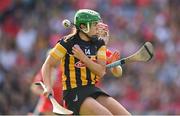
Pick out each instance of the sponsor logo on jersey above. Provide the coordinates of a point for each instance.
(80, 64)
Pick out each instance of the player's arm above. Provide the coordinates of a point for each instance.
(47, 69)
(51, 63)
(96, 67)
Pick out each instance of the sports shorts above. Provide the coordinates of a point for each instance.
(74, 98)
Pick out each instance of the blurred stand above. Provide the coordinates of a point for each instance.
(28, 28)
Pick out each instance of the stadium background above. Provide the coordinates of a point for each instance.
(28, 28)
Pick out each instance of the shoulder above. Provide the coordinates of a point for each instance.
(100, 43)
(66, 42)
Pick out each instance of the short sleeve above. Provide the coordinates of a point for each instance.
(59, 50)
(101, 54)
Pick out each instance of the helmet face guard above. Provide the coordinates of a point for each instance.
(86, 17)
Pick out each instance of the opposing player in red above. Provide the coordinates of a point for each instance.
(103, 32)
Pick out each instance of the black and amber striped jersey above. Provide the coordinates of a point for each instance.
(75, 73)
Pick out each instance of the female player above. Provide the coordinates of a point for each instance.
(44, 105)
(83, 58)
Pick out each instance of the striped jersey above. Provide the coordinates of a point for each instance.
(75, 73)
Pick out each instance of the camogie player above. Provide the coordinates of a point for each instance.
(44, 105)
(83, 59)
(103, 33)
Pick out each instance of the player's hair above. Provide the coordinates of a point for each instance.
(72, 33)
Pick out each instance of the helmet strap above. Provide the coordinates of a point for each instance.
(86, 30)
(85, 34)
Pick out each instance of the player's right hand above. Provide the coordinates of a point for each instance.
(48, 91)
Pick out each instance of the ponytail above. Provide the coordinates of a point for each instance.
(73, 32)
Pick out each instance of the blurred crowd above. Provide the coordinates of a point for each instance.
(28, 28)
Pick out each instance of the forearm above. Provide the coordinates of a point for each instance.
(46, 74)
(96, 68)
(47, 70)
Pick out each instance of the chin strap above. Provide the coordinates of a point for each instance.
(93, 39)
(88, 28)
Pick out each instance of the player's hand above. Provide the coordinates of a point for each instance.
(117, 71)
(114, 57)
(78, 53)
(48, 91)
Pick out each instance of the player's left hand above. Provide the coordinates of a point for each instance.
(114, 57)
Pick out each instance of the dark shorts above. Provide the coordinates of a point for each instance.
(75, 97)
